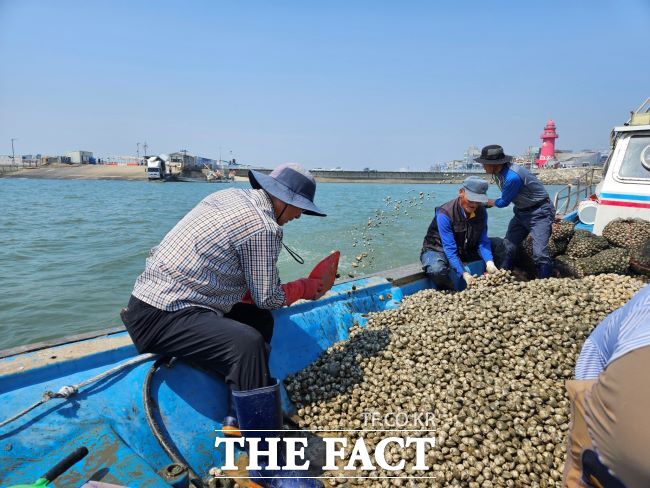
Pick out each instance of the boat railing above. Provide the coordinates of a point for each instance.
(641, 116)
(568, 198)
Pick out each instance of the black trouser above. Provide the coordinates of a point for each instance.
(235, 346)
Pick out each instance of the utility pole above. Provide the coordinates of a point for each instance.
(145, 148)
(138, 144)
(13, 155)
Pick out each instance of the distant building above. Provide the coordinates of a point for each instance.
(183, 160)
(578, 159)
(212, 164)
(81, 157)
(190, 162)
(471, 153)
(56, 159)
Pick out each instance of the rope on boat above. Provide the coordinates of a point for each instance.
(151, 409)
(71, 390)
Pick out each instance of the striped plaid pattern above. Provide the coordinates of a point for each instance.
(622, 331)
(227, 244)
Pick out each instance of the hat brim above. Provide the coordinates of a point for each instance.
(273, 187)
(504, 160)
(475, 197)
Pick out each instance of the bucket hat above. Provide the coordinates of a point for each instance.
(290, 183)
(475, 189)
(493, 154)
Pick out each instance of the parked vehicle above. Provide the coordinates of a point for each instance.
(156, 168)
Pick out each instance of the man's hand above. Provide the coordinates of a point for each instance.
(313, 288)
(468, 278)
(304, 288)
(490, 267)
(490, 203)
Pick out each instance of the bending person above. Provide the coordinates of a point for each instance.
(533, 211)
(187, 302)
(457, 233)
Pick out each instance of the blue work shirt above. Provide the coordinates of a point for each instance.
(449, 243)
(622, 331)
(512, 185)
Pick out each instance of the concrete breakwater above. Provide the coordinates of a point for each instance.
(555, 176)
(344, 176)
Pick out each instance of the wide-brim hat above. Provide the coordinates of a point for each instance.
(493, 154)
(290, 183)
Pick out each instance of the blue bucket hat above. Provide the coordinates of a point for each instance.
(290, 183)
(475, 189)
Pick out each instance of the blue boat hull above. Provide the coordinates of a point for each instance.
(108, 416)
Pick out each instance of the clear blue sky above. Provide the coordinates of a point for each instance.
(349, 83)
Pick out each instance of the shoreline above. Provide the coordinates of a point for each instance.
(559, 176)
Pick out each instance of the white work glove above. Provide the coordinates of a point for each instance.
(468, 278)
(490, 267)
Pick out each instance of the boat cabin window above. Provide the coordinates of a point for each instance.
(636, 162)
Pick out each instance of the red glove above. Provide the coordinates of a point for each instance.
(247, 298)
(326, 270)
(307, 288)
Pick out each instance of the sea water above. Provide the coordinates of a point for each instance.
(70, 250)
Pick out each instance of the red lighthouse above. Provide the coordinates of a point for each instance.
(547, 151)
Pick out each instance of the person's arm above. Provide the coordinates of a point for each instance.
(449, 243)
(484, 246)
(599, 346)
(259, 256)
(591, 361)
(511, 187)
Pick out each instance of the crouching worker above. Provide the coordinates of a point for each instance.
(187, 302)
(609, 433)
(457, 233)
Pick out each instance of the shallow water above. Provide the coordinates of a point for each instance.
(70, 250)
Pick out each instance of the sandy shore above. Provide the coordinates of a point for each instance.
(81, 172)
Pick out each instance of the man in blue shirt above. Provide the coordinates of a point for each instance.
(458, 233)
(534, 212)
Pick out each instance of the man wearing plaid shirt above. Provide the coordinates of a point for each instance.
(188, 301)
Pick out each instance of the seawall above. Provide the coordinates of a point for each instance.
(378, 176)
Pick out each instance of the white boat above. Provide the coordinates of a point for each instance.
(624, 191)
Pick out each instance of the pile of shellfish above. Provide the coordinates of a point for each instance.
(623, 249)
(489, 363)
